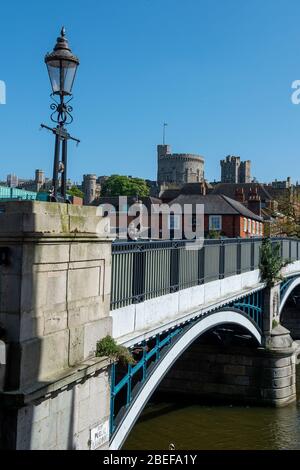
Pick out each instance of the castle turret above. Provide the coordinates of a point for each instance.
(89, 187)
(39, 179)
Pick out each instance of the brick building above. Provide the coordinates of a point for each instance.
(226, 216)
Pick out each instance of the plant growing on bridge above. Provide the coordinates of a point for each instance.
(109, 348)
(271, 263)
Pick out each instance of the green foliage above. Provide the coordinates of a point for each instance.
(109, 348)
(117, 185)
(214, 234)
(271, 263)
(74, 191)
(289, 222)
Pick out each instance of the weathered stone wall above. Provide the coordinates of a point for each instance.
(233, 375)
(65, 420)
(61, 419)
(54, 307)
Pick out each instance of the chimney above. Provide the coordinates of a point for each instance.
(239, 195)
(254, 202)
(203, 188)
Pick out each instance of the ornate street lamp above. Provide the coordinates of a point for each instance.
(62, 66)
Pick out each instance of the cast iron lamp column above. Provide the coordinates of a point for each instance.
(62, 66)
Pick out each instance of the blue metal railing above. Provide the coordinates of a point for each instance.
(285, 285)
(251, 306)
(145, 365)
(7, 193)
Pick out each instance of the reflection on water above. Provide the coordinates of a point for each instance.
(218, 427)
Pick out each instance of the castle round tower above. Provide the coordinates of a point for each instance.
(89, 188)
(179, 168)
(39, 179)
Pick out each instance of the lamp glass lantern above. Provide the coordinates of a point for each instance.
(62, 66)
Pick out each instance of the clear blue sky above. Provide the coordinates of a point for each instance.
(219, 72)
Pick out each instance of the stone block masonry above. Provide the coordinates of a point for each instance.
(233, 375)
(54, 307)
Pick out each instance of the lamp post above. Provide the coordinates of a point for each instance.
(62, 66)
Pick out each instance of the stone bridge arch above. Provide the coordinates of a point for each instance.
(222, 317)
(289, 312)
(287, 288)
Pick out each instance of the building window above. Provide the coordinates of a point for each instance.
(249, 226)
(253, 227)
(245, 224)
(257, 228)
(174, 222)
(215, 222)
(261, 229)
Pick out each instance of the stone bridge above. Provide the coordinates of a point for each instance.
(196, 321)
(175, 295)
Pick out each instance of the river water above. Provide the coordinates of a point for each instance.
(197, 427)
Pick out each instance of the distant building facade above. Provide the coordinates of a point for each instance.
(223, 215)
(226, 216)
(285, 184)
(233, 170)
(39, 183)
(178, 168)
(12, 181)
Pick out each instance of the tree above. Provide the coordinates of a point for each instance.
(117, 185)
(74, 191)
(288, 223)
(271, 263)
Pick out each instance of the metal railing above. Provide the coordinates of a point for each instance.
(7, 193)
(147, 269)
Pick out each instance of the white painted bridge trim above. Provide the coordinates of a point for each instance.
(185, 318)
(137, 322)
(211, 321)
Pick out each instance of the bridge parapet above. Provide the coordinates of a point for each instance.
(54, 307)
(144, 270)
(155, 284)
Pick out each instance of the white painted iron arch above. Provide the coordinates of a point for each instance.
(292, 286)
(207, 323)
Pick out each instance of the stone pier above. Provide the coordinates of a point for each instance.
(55, 269)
